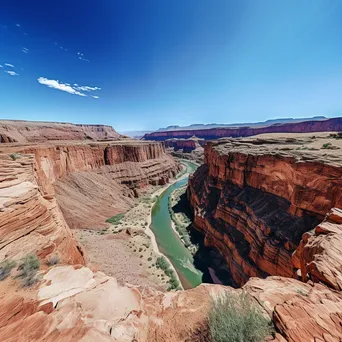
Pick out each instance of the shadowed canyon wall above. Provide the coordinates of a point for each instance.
(254, 201)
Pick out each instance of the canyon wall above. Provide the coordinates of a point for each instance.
(185, 145)
(254, 199)
(31, 222)
(33, 131)
(329, 125)
(94, 181)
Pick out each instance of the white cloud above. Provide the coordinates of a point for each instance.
(74, 89)
(9, 65)
(12, 73)
(1, 66)
(86, 88)
(25, 50)
(18, 25)
(59, 86)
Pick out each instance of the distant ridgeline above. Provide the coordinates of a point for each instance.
(316, 124)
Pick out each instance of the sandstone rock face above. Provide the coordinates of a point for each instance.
(184, 145)
(94, 181)
(318, 255)
(254, 199)
(328, 125)
(76, 304)
(30, 222)
(33, 131)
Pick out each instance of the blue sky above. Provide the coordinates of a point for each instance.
(147, 64)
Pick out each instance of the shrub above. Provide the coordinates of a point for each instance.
(329, 146)
(115, 219)
(233, 318)
(149, 259)
(162, 263)
(15, 156)
(28, 268)
(6, 267)
(52, 260)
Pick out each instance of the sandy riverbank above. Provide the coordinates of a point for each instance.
(128, 250)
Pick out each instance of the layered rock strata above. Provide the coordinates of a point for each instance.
(29, 221)
(34, 131)
(253, 199)
(94, 181)
(328, 125)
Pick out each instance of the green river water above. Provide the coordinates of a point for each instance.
(168, 241)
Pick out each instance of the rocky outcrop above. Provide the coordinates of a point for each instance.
(328, 125)
(253, 200)
(34, 131)
(74, 304)
(318, 256)
(31, 222)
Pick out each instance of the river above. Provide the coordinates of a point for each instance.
(168, 241)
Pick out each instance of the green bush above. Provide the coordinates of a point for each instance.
(6, 267)
(115, 219)
(28, 268)
(15, 156)
(234, 318)
(162, 263)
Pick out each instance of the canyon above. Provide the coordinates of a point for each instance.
(320, 125)
(254, 199)
(268, 204)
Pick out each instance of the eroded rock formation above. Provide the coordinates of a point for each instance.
(253, 199)
(328, 125)
(34, 131)
(31, 222)
(94, 181)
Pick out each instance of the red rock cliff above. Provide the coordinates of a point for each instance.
(216, 133)
(94, 181)
(254, 201)
(29, 221)
(34, 131)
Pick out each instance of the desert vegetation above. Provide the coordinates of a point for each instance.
(6, 267)
(116, 219)
(234, 318)
(28, 269)
(163, 264)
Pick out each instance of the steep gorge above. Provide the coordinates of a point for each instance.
(94, 181)
(258, 193)
(253, 199)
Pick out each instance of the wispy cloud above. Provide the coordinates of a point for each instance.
(59, 86)
(1, 66)
(18, 25)
(25, 50)
(74, 89)
(81, 57)
(86, 88)
(9, 65)
(12, 73)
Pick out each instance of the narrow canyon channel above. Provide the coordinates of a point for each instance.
(168, 241)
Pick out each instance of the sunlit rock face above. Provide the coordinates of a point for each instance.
(328, 125)
(33, 131)
(253, 199)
